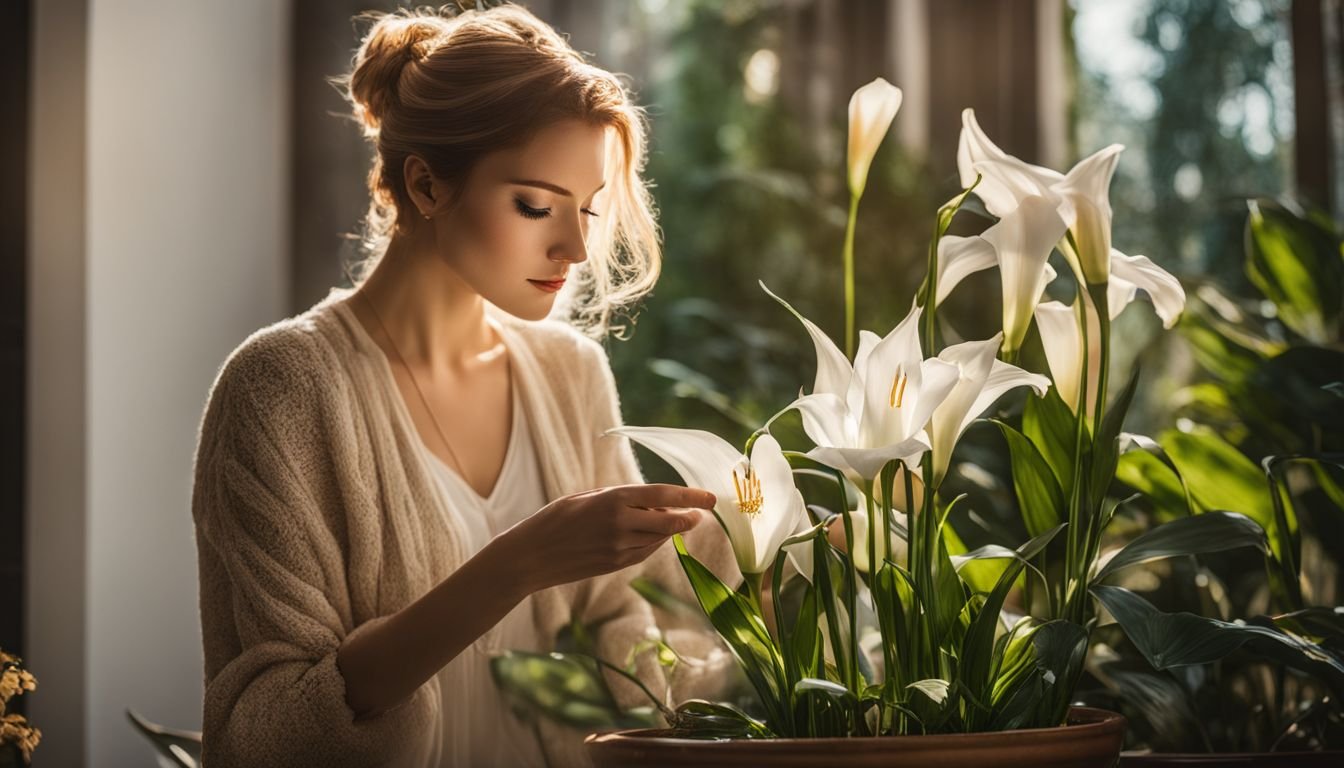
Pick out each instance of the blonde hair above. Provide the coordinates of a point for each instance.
(451, 86)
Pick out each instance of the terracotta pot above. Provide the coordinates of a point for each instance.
(1241, 759)
(1091, 740)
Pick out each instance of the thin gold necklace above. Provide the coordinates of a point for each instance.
(457, 464)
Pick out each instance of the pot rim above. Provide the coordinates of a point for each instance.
(1092, 723)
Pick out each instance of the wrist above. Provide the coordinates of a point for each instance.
(515, 565)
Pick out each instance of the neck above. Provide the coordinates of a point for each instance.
(435, 319)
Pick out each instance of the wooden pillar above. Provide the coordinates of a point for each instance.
(983, 55)
(15, 37)
(1316, 154)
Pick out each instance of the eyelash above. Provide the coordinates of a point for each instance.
(540, 213)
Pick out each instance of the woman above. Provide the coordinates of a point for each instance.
(410, 475)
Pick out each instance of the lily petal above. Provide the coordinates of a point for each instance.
(1058, 326)
(1129, 273)
(871, 110)
(1086, 208)
(974, 146)
(826, 419)
(861, 465)
(959, 257)
(1023, 240)
(785, 504)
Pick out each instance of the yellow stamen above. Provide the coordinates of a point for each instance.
(749, 497)
(898, 395)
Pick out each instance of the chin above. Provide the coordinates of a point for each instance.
(530, 311)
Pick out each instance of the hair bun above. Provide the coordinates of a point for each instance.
(395, 40)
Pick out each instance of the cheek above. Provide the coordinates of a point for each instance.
(500, 239)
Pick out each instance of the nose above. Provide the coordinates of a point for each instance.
(572, 246)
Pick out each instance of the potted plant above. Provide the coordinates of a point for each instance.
(18, 738)
(954, 676)
(1271, 365)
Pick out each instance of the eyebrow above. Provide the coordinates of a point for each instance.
(559, 190)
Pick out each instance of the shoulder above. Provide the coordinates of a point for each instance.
(284, 365)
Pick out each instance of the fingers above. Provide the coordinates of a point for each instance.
(665, 495)
(663, 522)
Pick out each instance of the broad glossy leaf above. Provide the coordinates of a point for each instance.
(742, 629)
(1295, 264)
(977, 647)
(1036, 679)
(1145, 466)
(1220, 477)
(711, 720)
(1176, 639)
(568, 688)
(1039, 498)
(1209, 532)
(979, 574)
(1049, 424)
(1163, 703)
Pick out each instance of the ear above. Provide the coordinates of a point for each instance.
(426, 192)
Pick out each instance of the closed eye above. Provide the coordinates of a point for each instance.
(541, 213)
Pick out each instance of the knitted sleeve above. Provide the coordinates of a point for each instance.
(623, 616)
(275, 605)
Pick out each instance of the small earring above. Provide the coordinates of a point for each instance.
(428, 217)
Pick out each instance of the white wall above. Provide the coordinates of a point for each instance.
(185, 253)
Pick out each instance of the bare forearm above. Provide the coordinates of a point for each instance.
(386, 665)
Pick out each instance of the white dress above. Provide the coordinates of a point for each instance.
(479, 727)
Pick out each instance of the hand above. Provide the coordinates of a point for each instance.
(603, 530)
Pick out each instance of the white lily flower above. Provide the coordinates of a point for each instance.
(983, 379)
(864, 415)
(1129, 274)
(871, 110)
(1083, 194)
(1058, 326)
(1058, 323)
(999, 196)
(1085, 204)
(1022, 241)
(757, 503)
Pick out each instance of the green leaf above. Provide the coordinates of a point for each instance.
(933, 688)
(1220, 477)
(1035, 681)
(1209, 532)
(1038, 493)
(710, 720)
(1107, 447)
(831, 689)
(1164, 703)
(1220, 347)
(1169, 640)
(1049, 424)
(1296, 265)
(806, 637)
(979, 573)
(743, 630)
(568, 688)
(977, 657)
(1145, 467)
(1318, 624)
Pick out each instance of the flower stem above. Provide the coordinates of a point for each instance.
(849, 274)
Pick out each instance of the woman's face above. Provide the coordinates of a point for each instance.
(522, 220)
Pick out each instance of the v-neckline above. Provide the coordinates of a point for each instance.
(509, 451)
(342, 306)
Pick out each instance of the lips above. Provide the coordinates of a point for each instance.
(548, 285)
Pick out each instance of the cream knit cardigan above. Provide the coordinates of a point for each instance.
(317, 517)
